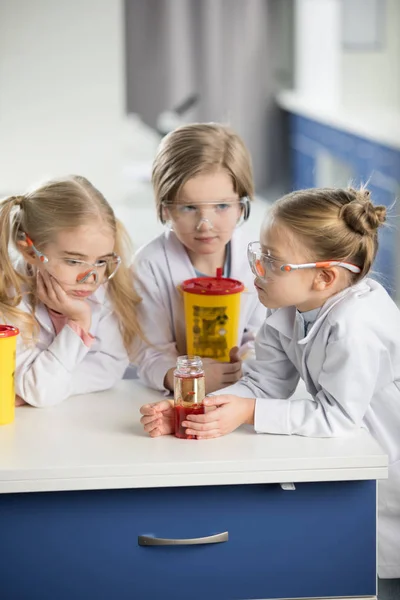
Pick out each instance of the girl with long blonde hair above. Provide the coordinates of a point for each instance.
(65, 283)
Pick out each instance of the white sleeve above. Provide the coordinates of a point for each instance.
(271, 374)
(347, 381)
(46, 376)
(257, 318)
(156, 357)
(105, 364)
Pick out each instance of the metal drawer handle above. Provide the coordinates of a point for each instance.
(219, 538)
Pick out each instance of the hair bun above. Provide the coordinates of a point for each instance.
(360, 215)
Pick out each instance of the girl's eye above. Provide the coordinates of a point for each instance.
(222, 206)
(101, 264)
(269, 263)
(71, 262)
(185, 208)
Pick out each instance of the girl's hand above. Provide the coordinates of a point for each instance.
(52, 295)
(221, 374)
(229, 414)
(158, 418)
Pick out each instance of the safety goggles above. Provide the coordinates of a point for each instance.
(221, 216)
(262, 263)
(71, 270)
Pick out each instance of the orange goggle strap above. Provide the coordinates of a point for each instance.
(260, 269)
(39, 254)
(322, 265)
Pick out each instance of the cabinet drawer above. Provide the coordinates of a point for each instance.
(318, 540)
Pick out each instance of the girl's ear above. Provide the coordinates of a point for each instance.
(27, 252)
(164, 214)
(325, 279)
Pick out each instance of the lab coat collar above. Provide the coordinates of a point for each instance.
(180, 266)
(182, 269)
(284, 319)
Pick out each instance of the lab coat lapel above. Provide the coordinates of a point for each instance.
(178, 260)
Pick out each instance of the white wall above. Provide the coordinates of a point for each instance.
(372, 78)
(330, 74)
(61, 91)
(317, 50)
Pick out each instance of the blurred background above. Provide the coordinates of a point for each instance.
(313, 86)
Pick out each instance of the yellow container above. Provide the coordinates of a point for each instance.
(8, 345)
(212, 313)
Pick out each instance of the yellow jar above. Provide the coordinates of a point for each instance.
(8, 345)
(212, 314)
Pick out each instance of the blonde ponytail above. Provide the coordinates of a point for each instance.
(121, 291)
(13, 284)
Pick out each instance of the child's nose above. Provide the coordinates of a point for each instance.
(204, 224)
(89, 276)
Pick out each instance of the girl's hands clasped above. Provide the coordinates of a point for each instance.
(223, 414)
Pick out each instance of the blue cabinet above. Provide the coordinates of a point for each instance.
(318, 540)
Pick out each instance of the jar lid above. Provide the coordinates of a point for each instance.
(213, 286)
(8, 331)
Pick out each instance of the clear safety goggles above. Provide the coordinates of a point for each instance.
(262, 263)
(221, 216)
(72, 271)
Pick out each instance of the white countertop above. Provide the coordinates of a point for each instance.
(381, 126)
(96, 442)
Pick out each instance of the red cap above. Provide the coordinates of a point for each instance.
(8, 331)
(213, 286)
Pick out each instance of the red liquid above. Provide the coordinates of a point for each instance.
(181, 412)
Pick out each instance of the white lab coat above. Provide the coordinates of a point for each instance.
(350, 363)
(58, 366)
(160, 267)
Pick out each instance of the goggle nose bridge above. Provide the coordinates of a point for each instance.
(259, 267)
(204, 220)
(83, 277)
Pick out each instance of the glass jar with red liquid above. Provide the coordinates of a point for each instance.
(189, 392)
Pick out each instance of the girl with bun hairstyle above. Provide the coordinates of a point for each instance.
(327, 323)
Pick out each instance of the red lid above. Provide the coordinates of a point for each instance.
(213, 286)
(8, 331)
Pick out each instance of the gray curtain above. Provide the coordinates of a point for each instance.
(220, 49)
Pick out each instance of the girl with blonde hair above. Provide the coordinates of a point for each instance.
(65, 283)
(203, 185)
(327, 323)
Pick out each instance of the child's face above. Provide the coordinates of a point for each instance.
(93, 243)
(206, 212)
(280, 288)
